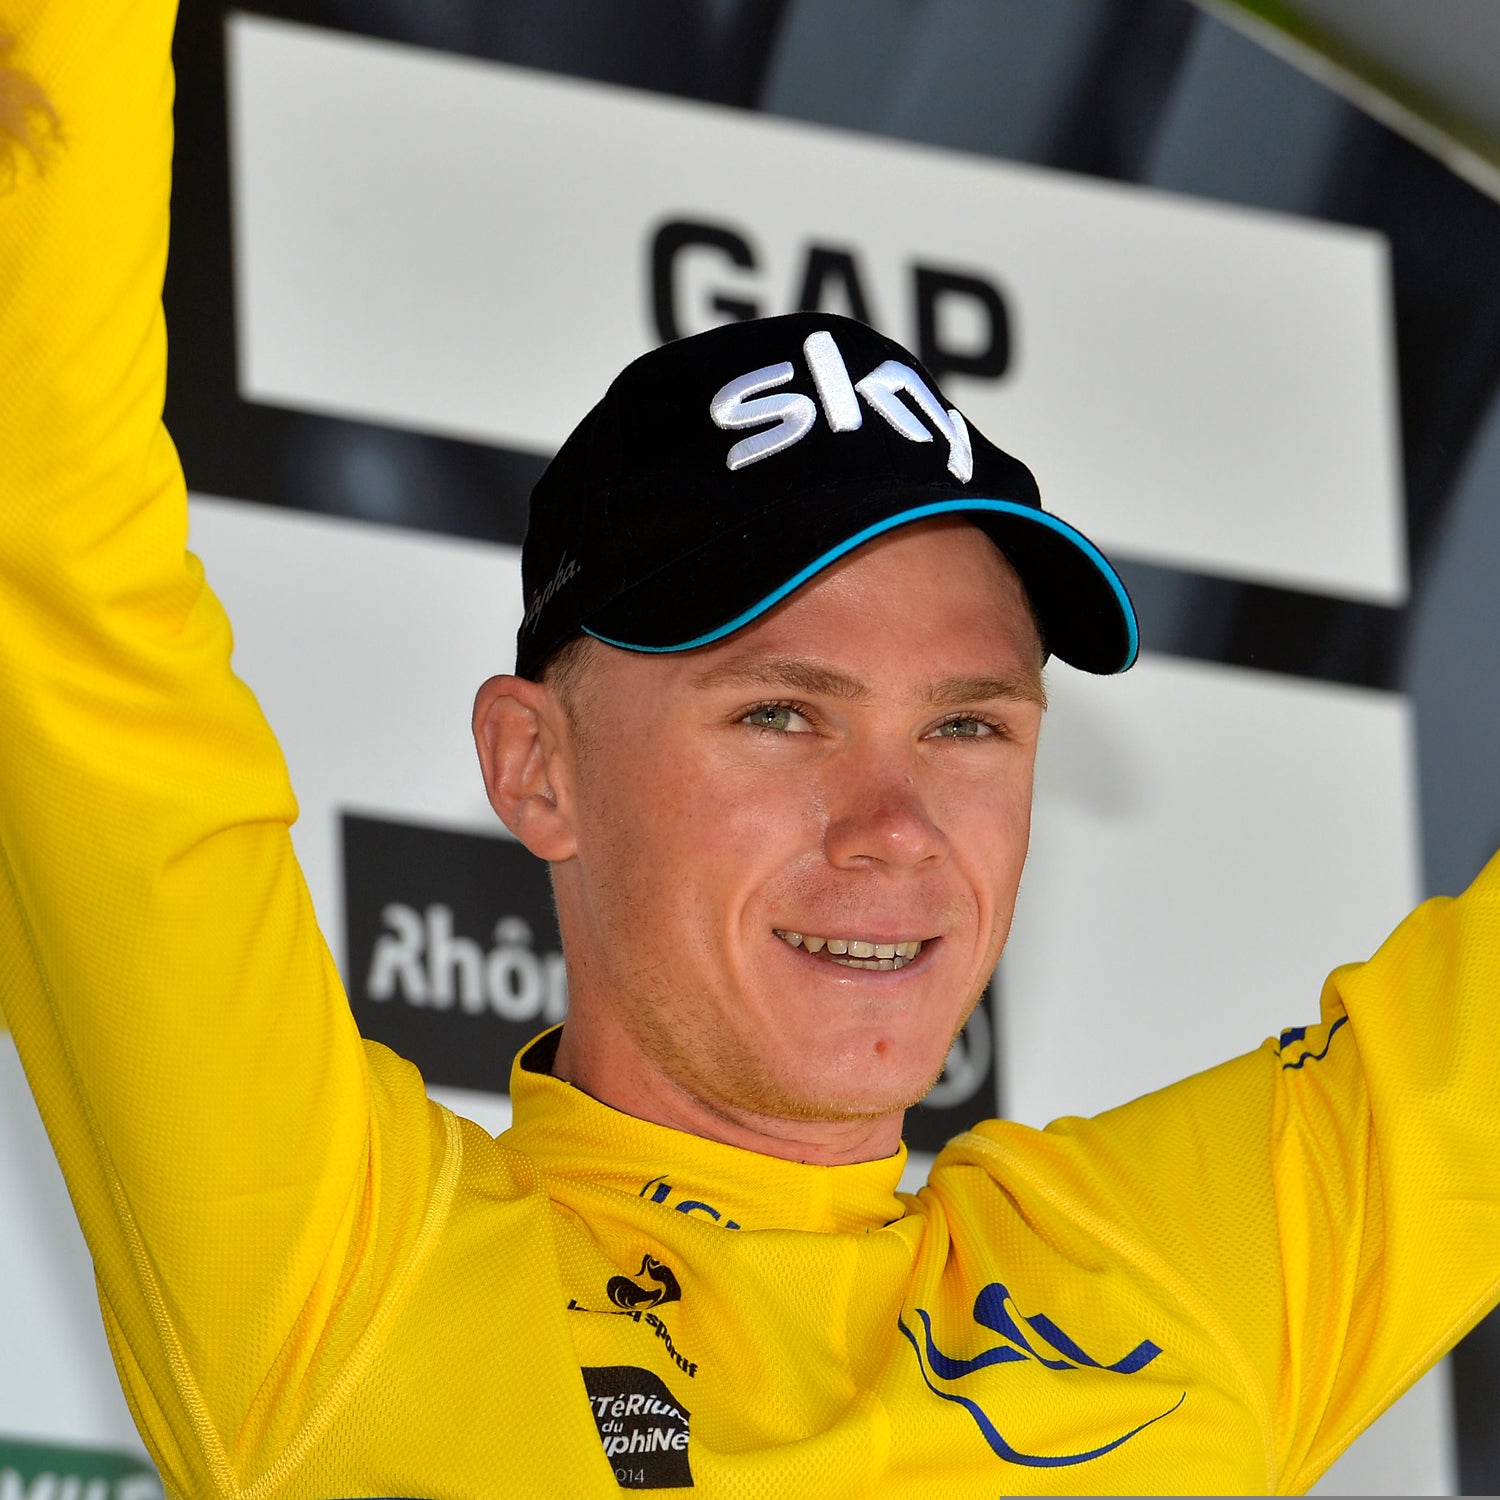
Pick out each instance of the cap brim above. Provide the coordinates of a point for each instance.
(1085, 613)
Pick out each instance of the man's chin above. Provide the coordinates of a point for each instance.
(847, 1093)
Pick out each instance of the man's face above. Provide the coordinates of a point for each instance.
(856, 768)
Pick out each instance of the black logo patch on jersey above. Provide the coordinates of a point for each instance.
(643, 1426)
(626, 1292)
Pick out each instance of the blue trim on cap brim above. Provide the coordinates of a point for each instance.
(888, 523)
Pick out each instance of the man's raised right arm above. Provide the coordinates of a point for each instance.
(176, 1009)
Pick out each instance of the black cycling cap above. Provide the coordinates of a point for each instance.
(721, 472)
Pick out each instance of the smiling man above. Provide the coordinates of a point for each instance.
(787, 808)
(824, 823)
(773, 725)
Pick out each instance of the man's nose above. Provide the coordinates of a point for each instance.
(879, 816)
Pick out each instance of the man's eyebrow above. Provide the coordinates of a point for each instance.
(801, 676)
(1020, 687)
(793, 672)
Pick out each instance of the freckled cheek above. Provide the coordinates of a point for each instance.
(989, 843)
(706, 811)
(750, 840)
(633, 832)
(746, 836)
(699, 845)
(996, 812)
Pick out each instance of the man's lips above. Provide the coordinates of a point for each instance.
(853, 952)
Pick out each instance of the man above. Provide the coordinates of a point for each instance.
(777, 703)
(795, 719)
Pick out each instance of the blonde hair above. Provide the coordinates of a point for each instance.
(567, 675)
(28, 122)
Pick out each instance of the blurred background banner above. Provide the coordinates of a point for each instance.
(1200, 385)
(1246, 331)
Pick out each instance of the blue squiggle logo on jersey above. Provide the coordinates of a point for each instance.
(991, 1311)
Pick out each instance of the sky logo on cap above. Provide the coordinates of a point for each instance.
(741, 403)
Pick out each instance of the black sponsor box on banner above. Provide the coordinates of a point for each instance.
(452, 948)
(454, 961)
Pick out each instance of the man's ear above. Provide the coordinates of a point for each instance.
(521, 734)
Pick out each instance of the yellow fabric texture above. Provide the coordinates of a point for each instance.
(318, 1284)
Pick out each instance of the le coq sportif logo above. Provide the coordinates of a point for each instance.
(652, 1285)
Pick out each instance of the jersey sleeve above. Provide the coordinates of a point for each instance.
(1326, 1209)
(255, 1185)
(1411, 1133)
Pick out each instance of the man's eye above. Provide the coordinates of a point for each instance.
(780, 717)
(963, 729)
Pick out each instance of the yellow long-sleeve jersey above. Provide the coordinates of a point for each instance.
(318, 1284)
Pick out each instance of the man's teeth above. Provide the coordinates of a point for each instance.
(854, 953)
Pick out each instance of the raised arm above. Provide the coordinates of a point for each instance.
(1326, 1210)
(227, 1139)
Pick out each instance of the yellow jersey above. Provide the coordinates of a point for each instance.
(318, 1284)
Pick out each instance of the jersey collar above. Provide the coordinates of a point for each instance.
(569, 1135)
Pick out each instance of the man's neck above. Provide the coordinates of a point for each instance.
(613, 1070)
